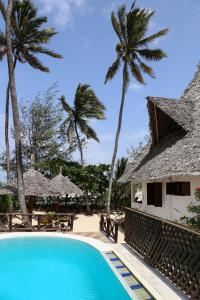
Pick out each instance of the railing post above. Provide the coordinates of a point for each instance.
(116, 233)
(39, 221)
(101, 222)
(108, 222)
(10, 222)
(72, 223)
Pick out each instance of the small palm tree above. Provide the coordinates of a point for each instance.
(28, 39)
(86, 107)
(132, 52)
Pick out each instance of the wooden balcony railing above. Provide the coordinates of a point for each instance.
(109, 227)
(171, 249)
(17, 222)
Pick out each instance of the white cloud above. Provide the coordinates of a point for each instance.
(135, 86)
(62, 10)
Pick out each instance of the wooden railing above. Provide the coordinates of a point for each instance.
(36, 222)
(171, 249)
(109, 227)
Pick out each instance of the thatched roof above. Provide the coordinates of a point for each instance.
(62, 185)
(175, 132)
(35, 184)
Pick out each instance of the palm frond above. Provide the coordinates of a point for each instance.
(136, 73)
(153, 37)
(65, 105)
(116, 26)
(87, 130)
(34, 62)
(123, 22)
(38, 49)
(151, 54)
(113, 70)
(126, 78)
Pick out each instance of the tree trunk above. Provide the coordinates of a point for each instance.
(116, 146)
(16, 121)
(7, 135)
(7, 129)
(79, 145)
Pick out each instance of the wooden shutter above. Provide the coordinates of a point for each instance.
(150, 194)
(158, 194)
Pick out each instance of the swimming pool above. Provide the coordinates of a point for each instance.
(49, 268)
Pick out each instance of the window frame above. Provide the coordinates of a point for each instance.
(178, 188)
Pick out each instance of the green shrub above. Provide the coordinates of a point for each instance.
(6, 203)
(194, 221)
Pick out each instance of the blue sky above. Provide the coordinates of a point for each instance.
(87, 42)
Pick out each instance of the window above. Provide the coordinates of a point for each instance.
(154, 194)
(178, 188)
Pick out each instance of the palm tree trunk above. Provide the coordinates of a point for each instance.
(7, 135)
(79, 145)
(7, 129)
(116, 146)
(16, 121)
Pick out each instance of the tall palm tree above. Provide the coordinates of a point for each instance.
(16, 120)
(132, 52)
(28, 39)
(86, 107)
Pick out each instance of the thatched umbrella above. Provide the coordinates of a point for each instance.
(62, 185)
(35, 185)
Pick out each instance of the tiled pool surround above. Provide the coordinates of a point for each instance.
(138, 289)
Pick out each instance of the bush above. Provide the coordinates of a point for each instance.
(6, 203)
(194, 221)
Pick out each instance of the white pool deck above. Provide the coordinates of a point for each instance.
(160, 288)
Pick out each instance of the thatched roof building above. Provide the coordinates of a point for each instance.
(175, 132)
(35, 184)
(62, 185)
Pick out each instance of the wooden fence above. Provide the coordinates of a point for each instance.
(16, 222)
(171, 249)
(109, 227)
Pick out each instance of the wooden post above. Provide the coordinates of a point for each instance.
(10, 222)
(116, 233)
(108, 222)
(72, 223)
(101, 222)
(39, 221)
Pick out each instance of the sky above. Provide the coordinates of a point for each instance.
(87, 42)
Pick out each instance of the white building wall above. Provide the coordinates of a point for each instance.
(173, 207)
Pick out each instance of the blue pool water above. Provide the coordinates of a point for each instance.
(55, 269)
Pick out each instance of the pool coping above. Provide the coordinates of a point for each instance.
(159, 289)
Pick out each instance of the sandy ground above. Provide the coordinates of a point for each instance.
(84, 223)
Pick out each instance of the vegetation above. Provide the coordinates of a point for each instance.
(121, 193)
(6, 203)
(86, 107)
(194, 210)
(132, 52)
(28, 38)
(93, 178)
(16, 121)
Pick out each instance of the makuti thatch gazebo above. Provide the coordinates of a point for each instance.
(35, 185)
(62, 185)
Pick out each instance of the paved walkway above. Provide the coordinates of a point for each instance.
(90, 225)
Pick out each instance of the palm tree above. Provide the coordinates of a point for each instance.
(120, 192)
(86, 107)
(132, 52)
(20, 183)
(28, 39)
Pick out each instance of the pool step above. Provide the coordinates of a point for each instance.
(129, 277)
